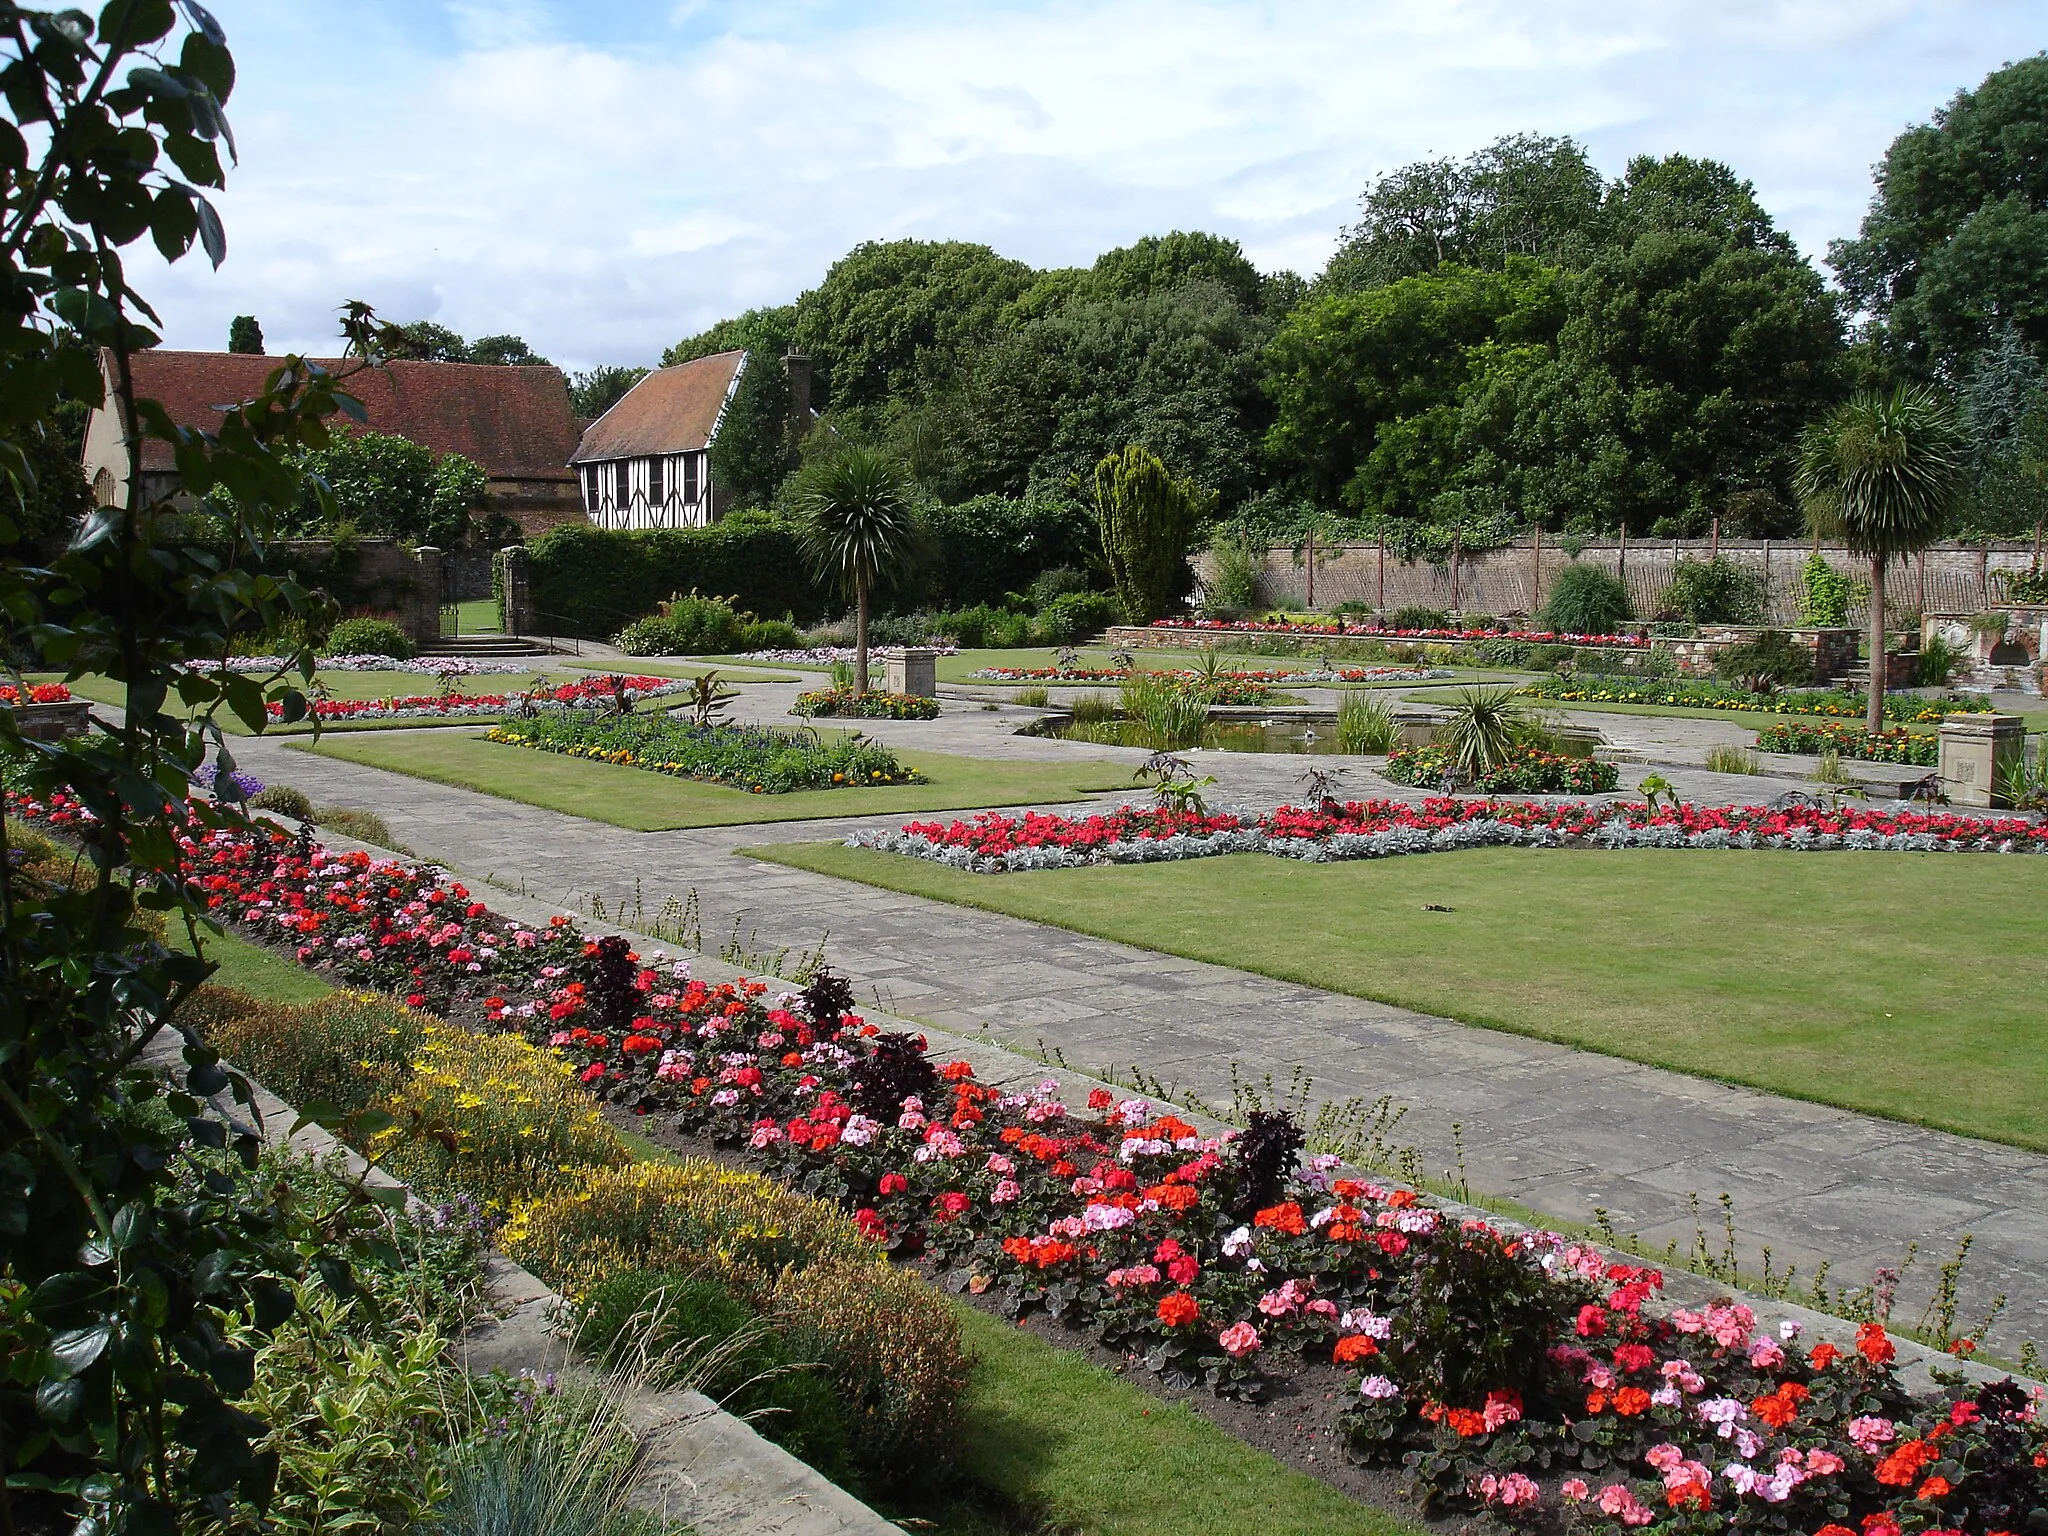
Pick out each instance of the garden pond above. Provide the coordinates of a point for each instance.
(1297, 734)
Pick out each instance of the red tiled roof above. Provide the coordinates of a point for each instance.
(515, 422)
(672, 410)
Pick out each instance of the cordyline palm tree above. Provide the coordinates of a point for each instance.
(1882, 473)
(857, 525)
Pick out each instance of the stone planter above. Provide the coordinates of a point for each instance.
(53, 722)
(1977, 752)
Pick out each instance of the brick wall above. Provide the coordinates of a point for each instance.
(1515, 578)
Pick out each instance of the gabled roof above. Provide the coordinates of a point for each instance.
(515, 422)
(672, 410)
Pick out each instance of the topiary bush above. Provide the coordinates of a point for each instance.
(1585, 601)
(1414, 617)
(368, 637)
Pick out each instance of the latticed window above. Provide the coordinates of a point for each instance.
(690, 476)
(623, 487)
(654, 478)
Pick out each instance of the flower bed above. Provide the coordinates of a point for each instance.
(756, 758)
(1262, 679)
(587, 693)
(1894, 746)
(426, 666)
(1374, 632)
(1908, 708)
(993, 843)
(1525, 771)
(833, 655)
(875, 704)
(1520, 1374)
(38, 693)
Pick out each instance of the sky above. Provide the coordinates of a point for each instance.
(606, 177)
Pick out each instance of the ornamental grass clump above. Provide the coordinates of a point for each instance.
(1364, 725)
(492, 1117)
(1170, 715)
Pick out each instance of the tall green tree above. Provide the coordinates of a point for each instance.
(861, 532)
(391, 487)
(1149, 520)
(1955, 244)
(593, 391)
(245, 335)
(892, 316)
(505, 352)
(1883, 473)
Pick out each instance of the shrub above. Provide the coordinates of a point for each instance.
(1414, 617)
(679, 1324)
(1476, 1316)
(687, 624)
(692, 1217)
(755, 758)
(1939, 662)
(875, 704)
(1235, 582)
(1076, 616)
(1825, 593)
(1770, 659)
(351, 1050)
(1049, 586)
(363, 826)
(967, 628)
(368, 637)
(283, 800)
(1009, 632)
(770, 635)
(1585, 601)
(591, 581)
(1520, 770)
(493, 1117)
(1716, 591)
(892, 1345)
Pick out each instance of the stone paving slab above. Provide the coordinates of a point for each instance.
(1560, 1130)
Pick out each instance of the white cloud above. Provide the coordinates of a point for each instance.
(603, 181)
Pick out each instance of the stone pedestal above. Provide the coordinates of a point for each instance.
(1977, 751)
(915, 672)
(420, 618)
(53, 722)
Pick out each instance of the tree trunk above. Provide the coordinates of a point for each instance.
(860, 638)
(1874, 716)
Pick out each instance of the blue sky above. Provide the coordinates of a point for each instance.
(605, 177)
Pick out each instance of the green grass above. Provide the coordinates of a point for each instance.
(341, 685)
(260, 972)
(478, 616)
(635, 665)
(642, 801)
(1070, 1443)
(1901, 985)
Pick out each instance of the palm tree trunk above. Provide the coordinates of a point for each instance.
(860, 637)
(1874, 716)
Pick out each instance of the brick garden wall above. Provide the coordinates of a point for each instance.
(1510, 580)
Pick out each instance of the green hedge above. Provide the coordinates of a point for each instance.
(595, 581)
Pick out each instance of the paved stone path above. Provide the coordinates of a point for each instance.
(1561, 1131)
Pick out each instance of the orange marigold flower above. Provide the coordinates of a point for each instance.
(1178, 1310)
(1630, 1401)
(953, 1071)
(1352, 1347)
(1466, 1421)
(1935, 1488)
(1596, 1402)
(1688, 1495)
(1176, 1197)
(1401, 1199)
(1902, 1466)
(1823, 1356)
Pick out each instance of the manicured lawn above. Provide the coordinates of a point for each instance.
(478, 616)
(1069, 1441)
(1903, 985)
(250, 968)
(652, 802)
(346, 685)
(632, 665)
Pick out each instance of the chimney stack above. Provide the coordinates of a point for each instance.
(798, 367)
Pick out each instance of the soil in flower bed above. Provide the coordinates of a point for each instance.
(1296, 1424)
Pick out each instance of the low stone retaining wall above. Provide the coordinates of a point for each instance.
(54, 722)
(1833, 650)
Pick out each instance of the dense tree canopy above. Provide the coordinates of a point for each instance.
(1955, 245)
(393, 487)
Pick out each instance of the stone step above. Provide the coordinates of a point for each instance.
(485, 646)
